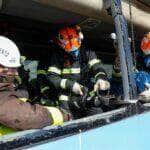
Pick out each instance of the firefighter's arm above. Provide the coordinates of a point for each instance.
(18, 114)
(54, 77)
(99, 74)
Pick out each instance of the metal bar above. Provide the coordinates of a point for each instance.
(115, 13)
(129, 86)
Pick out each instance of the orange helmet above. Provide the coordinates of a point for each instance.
(145, 44)
(70, 38)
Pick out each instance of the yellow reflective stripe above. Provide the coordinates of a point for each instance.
(5, 130)
(71, 71)
(93, 62)
(117, 74)
(64, 98)
(41, 72)
(54, 70)
(63, 83)
(56, 114)
(75, 70)
(23, 99)
(100, 73)
(44, 89)
(66, 71)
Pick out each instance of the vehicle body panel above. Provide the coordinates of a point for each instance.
(129, 134)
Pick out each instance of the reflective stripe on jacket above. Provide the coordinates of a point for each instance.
(64, 70)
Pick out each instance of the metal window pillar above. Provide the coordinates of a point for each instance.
(126, 60)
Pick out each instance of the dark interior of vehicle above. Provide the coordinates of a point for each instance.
(34, 37)
(30, 26)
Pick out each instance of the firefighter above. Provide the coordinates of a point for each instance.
(145, 47)
(116, 80)
(142, 75)
(42, 90)
(15, 112)
(73, 67)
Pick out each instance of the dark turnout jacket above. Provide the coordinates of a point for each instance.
(65, 69)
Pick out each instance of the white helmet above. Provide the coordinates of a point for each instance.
(9, 53)
(113, 36)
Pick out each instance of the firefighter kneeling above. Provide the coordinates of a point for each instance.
(72, 67)
(15, 112)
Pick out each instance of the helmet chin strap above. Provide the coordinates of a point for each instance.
(75, 53)
(147, 61)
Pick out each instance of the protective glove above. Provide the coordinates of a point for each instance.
(102, 85)
(145, 96)
(77, 89)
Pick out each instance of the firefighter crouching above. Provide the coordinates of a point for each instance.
(15, 112)
(72, 67)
